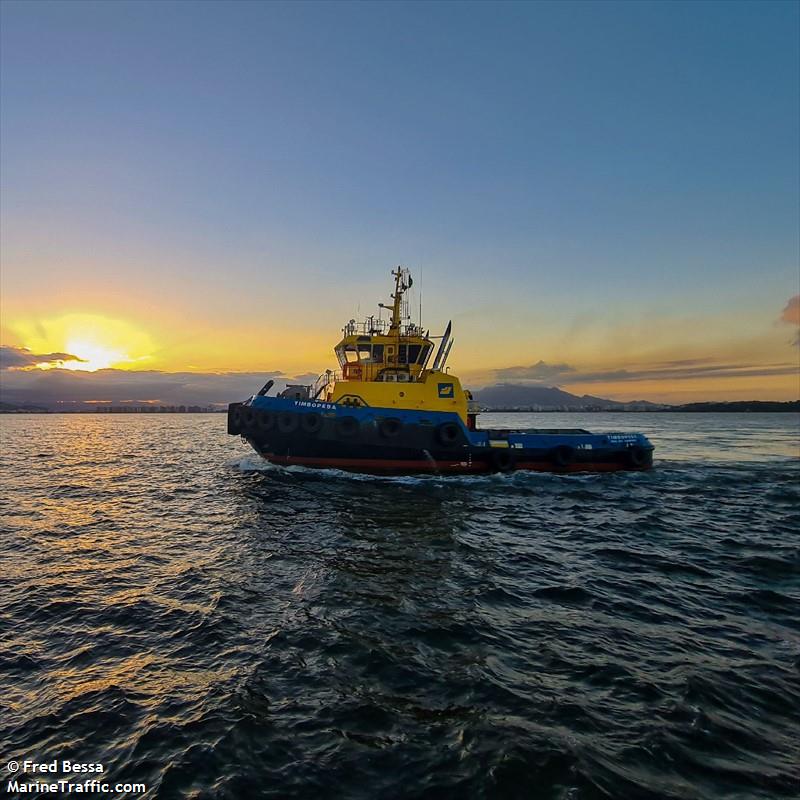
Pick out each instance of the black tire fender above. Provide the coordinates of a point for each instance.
(347, 426)
(638, 456)
(235, 420)
(448, 434)
(502, 459)
(266, 421)
(311, 423)
(390, 427)
(248, 418)
(287, 423)
(563, 455)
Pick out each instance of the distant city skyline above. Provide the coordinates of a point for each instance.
(602, 196)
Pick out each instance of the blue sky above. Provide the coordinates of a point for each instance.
(550, 165)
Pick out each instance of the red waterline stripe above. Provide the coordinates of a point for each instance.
(378, 463)
(424, 465)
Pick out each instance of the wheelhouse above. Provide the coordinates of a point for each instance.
(385, 351)
(381, 356)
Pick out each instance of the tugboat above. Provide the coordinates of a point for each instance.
(390, 409)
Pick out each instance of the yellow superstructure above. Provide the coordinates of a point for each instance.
(387, 365)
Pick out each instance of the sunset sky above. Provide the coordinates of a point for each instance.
(603, 197)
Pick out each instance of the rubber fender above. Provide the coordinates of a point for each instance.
(638, 456)
(563, 455)
(234, 419)
(287, 423)
(266, 421)
(390, 427)
(502, 459)
(311, 423)
(248, 418)
(448, 434)
(347, 426)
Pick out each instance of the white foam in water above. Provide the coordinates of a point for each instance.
(251, 464)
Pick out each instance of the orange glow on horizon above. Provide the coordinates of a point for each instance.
(248, 343)
(99, 342)
(93, 356)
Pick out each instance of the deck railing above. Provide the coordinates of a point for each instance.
(328, 378)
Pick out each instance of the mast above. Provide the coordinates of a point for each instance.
(399, 288)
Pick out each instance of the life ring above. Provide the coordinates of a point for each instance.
(287, 423)
(248, 417)
(390, 427)
(502, 459)
(347, 426)
(311, 423)
(638, 456)
(266, 421)
(563, 455)
(448, 433)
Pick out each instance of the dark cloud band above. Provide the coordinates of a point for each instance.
(563, 374)
(21, 357)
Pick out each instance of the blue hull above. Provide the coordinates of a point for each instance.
(402, 441)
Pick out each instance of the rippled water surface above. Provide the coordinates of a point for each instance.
(216, 628)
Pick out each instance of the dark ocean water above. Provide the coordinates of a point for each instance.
(217, 628)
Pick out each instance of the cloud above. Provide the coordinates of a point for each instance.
(791, 316)
(22, 358)
(306, 379)
(688, 369)
(667, 373)
(791, 313)
(540, 372)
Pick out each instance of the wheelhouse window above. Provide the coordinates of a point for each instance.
(424, 353)
(413, 353)
(360, 353)
(347, 354)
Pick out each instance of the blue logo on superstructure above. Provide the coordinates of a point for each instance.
(445, 390)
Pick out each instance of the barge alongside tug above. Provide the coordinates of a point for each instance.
(387, 411)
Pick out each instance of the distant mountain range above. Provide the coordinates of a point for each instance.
(512, 396)
(37, 391)
(518, 397)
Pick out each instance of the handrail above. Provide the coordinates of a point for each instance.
(323, 381)
(379, 327)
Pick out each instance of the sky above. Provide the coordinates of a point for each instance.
(601, 196)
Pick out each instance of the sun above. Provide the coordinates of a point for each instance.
(93, 356)
(99, 342)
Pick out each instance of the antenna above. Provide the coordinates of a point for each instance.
(420, 294)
